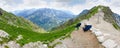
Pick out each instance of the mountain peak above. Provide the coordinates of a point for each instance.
(108, 15)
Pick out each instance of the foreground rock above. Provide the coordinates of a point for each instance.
(35, 45)
(3, 34)
(14, 44)
(79, 39)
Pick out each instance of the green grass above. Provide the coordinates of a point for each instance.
(116, 26)
(20, 26)
(54, 45)
(31, 36)
(11, 19)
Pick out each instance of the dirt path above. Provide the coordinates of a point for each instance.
(80, 39)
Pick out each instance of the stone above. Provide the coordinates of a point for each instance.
(101, 38)
(98, 33)
(109, 44)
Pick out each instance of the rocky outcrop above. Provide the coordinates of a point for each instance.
(3, 34)
(35, 45)
(105, 39)
(14, 44)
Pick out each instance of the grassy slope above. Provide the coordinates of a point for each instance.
(20, 26)
(31, 36)
(11, 19)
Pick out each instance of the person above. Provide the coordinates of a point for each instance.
(87, 26)
(78, 25)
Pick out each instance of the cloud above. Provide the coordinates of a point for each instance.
(75, 6)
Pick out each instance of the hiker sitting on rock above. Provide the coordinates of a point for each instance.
(87, 27)
(77, 26)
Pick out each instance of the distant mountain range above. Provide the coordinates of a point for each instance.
(45, 17)
(117, 17)
(109, 16)
(11, 19)
(83, 12)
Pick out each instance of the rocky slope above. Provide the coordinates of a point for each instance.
(105, 31)
(104, 27)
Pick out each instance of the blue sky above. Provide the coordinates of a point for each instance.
(75, 6)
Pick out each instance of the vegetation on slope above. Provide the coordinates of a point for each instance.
(18, 26)
(31, 36)
(11, 19)
(78, 18)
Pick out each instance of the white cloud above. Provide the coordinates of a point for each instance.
(59, 4)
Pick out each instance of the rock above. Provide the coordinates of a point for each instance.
(35, 45)
(13, 44)
(3, 34)
(106, 34)
(19, 37)
(1, 46)
(61, 46)
(109, 44)
(118, 46)
(98, 33)
(101, 38)
(94, 30)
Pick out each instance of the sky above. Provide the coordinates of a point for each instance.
(74, 6)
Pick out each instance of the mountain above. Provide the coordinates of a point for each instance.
(13, 20)
(45, 17)
(108, 16)
(83, 12)
(117, 17)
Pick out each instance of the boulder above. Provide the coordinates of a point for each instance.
(109, 43)
(98, 33)
(3, 34)
(118, 46)
(101, 38)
